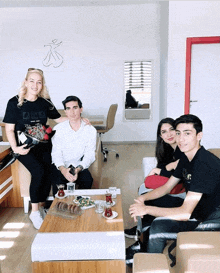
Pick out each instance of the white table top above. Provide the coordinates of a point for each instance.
(80, 246)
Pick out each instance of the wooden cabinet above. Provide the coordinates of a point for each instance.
(9, 185)
(4, 137)
(6, 185)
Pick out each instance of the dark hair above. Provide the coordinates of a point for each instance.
(164, 152)
(197, 123)
(71, 98)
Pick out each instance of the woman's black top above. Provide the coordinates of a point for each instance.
(30, 113)
(177, 154)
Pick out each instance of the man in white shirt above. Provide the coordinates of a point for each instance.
(74, 143)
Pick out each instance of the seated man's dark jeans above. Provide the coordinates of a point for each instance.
(163, 229)
(84, 180)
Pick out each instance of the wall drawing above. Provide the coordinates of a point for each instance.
(53, 58)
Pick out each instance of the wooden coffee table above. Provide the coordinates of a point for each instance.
(89, 243)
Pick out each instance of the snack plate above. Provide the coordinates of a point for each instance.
(84, 207)
(114, 215)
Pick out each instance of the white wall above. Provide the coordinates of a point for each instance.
(96, 41)
(186, 19)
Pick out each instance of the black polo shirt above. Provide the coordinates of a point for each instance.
(202, 175)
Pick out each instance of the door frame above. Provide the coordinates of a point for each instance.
(189, 42)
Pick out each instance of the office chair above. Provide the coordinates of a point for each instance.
(104, 129)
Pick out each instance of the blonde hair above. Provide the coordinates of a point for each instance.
(23, 90)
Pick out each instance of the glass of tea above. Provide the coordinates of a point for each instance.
(108, 198)
(61, 192)
(108, 211)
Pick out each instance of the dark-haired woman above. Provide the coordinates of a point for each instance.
(167, 152)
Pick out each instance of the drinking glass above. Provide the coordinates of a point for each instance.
(61, 192)
(70, 188)
(99, 206)
(108, 211)
(108, 197)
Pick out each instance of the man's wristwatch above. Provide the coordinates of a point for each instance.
(80, 167)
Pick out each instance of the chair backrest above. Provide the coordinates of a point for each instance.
(215, 151)
(111, 116)
(148, 163)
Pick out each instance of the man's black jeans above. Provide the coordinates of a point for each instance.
(84, 180)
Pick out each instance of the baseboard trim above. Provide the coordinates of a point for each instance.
(128, 142)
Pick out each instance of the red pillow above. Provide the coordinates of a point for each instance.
(155, 181)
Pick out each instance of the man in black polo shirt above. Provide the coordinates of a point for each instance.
(200, 210)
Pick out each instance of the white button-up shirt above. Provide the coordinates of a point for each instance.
(74, 147)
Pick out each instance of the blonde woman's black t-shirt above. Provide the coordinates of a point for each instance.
(30, 113)
(202, 175)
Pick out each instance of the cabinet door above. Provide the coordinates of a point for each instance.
(6, 185)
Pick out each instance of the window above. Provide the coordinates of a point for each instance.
(138, 80)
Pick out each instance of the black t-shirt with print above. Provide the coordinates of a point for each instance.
(201, 175)
(30, 113)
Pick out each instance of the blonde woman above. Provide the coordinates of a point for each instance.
(30, 107)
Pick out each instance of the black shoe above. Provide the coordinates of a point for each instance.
(132, 233)
(131, 250)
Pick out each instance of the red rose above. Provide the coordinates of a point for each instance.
(46, 137)
(48, 130)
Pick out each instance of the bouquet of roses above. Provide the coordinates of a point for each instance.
(35, 134)
(39, 131)
(31, 136)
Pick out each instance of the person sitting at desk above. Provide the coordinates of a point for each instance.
(74, 143)
(130, 100)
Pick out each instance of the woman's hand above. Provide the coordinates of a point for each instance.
(155, 171)
(86, 121)
(10, 132)
(20, 150)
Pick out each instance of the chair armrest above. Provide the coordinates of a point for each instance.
(150, 262)
(148, 163)
(142, 189)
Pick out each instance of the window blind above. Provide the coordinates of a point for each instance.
(138, 75)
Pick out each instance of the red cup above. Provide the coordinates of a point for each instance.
(61, 192)
(108, 212)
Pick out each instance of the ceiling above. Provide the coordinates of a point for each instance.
(63, 3)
